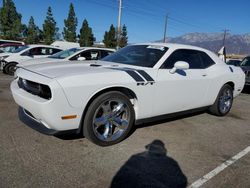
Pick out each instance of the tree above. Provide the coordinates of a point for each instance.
(110, 37)
(49, 28)
(10, 21)
(24, 31)
(86, 37)
(33, 32)
(69, 31)
(124, 38)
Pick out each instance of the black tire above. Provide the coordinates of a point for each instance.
(10, 68)
(217, 107)
(4, 69)
(117, 102)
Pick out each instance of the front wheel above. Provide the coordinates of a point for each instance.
(109, 119)
(223, 102)
(10, 68)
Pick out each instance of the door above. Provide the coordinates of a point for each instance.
(184, 89)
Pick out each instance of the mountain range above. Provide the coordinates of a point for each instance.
(235, 44)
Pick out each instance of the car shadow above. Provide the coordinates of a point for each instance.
(167, 119)
(151, 168)
(70, 136)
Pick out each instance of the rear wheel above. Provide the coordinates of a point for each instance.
(223, 102)
(109, 119)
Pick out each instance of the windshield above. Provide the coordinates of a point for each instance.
(233, 62)
(20, 49)
(138, 55)
(64, 54)
(246, 62)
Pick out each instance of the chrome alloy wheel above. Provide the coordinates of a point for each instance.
(111, 120)
(225, 101)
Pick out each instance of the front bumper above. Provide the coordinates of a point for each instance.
(47, 113)
(27, 118)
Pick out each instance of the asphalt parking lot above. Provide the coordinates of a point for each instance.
(184, 149)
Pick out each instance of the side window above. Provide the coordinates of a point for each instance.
(50, 51)
(44, 51)
(37, 51)
(95, 55)
(32, 51)
(207, 61)
(88, 54)
(192, 57)
(54, 50)
(105, 53)
(26, 53)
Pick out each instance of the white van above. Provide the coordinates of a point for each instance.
(65, 45)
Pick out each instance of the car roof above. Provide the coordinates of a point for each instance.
(11, 44)
(12, 41)
(42, 45)
(95, 48)
(173, 45)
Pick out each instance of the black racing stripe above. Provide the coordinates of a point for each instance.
(134, 75)
(146, 75)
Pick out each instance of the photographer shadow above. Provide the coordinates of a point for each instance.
(152, 168)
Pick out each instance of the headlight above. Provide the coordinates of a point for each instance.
(35, 88)
(3, 57)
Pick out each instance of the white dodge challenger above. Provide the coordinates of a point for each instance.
(104, 99)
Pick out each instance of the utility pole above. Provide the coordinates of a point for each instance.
(165, 29)
(119, 24)
(224, 37)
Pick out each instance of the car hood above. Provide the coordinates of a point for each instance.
(39, 61)
(63, 69)
(5, 54)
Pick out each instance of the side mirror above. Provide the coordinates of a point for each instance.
(81, 58)
(179, 65)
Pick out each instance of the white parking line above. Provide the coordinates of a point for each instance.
(220, 168)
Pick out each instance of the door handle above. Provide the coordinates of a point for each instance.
(204, 75)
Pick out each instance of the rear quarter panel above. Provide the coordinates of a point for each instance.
(219, 75)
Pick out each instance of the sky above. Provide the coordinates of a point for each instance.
(145, 19)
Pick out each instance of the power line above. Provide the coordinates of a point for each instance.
(149, 11)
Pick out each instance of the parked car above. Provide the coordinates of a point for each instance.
(73, 54)
(9, 47)
(245, 65)
(10, 60)
(235, 62)
(2, 41)
(136, 84)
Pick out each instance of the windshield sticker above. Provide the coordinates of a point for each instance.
(156, 47)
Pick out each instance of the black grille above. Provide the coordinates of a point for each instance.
(35, 88)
